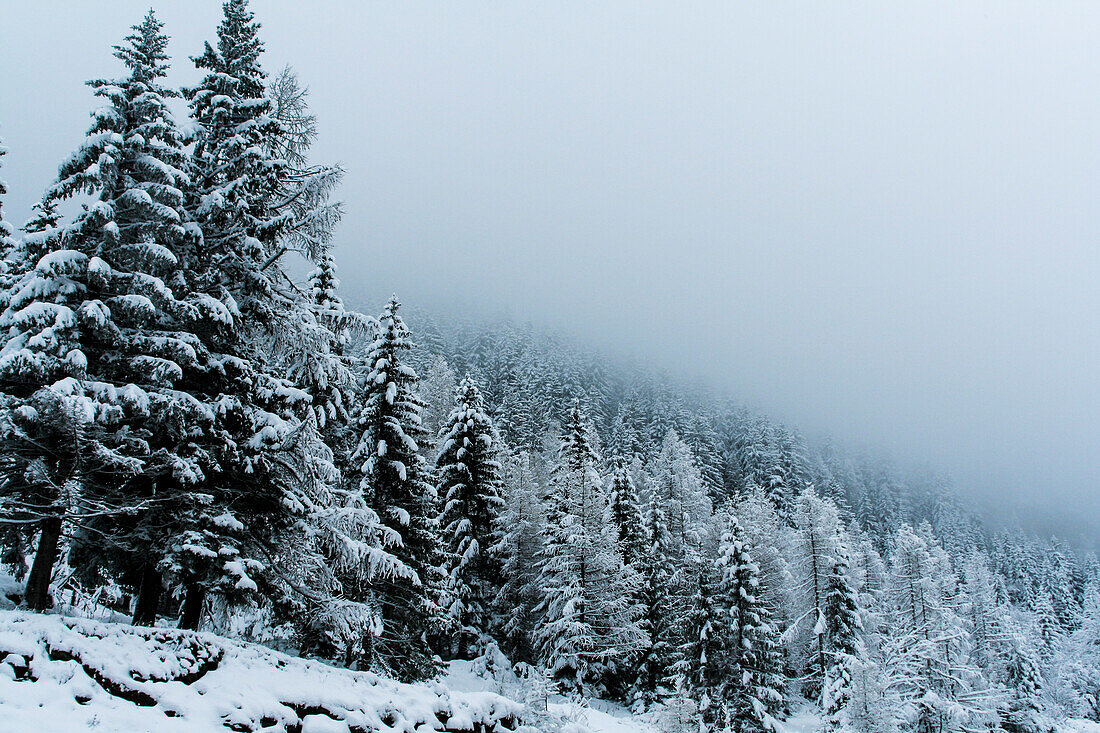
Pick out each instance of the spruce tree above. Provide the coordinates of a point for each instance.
(657, 608)
(753, 693)
(470, 485)
(842, 640)
(702, 669)
(626, 515)
(103, 314)
(395, 478)
(589, 626)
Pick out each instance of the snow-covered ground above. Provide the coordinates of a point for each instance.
(67, 674)
(60, 673)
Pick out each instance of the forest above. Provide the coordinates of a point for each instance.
(194, 435)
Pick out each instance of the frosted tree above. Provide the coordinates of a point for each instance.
(394, 477)
(701, 668)
(842, 641)
(437, 388)
(626, 514)
(753, 691)
(766, 533)
(816, 546)
(588, 615)
(658, 604)
(1025, 680)
(470, 485)
(1057, 583)
(929, 650)
(105, 314)
(520, 527)
(675, 482)
(1075, 665)
(983, 614)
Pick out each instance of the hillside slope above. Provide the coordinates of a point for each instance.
(59, 674)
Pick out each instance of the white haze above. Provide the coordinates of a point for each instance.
(877, 219)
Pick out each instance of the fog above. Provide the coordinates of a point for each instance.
(876, 219)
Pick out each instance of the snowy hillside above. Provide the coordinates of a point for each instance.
(65, 674)
(70, 674)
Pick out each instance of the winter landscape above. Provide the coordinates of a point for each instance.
(237, 494)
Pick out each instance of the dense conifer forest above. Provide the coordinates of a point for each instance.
(192, 435)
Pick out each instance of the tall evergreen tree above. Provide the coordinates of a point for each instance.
(471, 488)
(753, 692)
(626, 514)
(588, 617)
(395, 477)
(657, 607)
(105, 314)
(842, 640)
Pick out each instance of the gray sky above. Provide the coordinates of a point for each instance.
(874, 218)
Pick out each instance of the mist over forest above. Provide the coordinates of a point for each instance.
(565, 368)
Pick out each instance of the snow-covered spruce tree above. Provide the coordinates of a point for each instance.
(677, 484)
(395, 478)
(753, 692)
(470, 486)
(588, 623)
(815, 548)
(1075, 667)
(766, 533)
(104, 314)
(626, 514)
(1057, 583)
(1025, 681)
(930, 644)
(984, 615)
(842, 640)
(521, 526)
(437, 387)
(701, 668)
(658, 606)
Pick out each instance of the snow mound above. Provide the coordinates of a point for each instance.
(61, 673)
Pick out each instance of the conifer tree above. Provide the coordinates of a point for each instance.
(521, 526)
(753, 693)
(626, 514)
(815, 550)
(701, 668)
(657, 608)
(1025, 680)
(842, 640)
(395, 478)
(104, 314)
(588, 617)
(470, 485)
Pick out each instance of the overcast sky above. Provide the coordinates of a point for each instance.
(878, 219)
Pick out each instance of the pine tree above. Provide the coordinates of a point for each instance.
(521, 526)
(701, 668)
(588, 617)
(626, 514)
(104, 314)
(470, 484)
(394, 477)
(842, 640)
(657, 606)
(815, 551)
(1025, 680)
(676, 482)
(753, 693)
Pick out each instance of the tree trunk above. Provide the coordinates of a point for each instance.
(192, 606)
(145, 610)
(38, 583)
